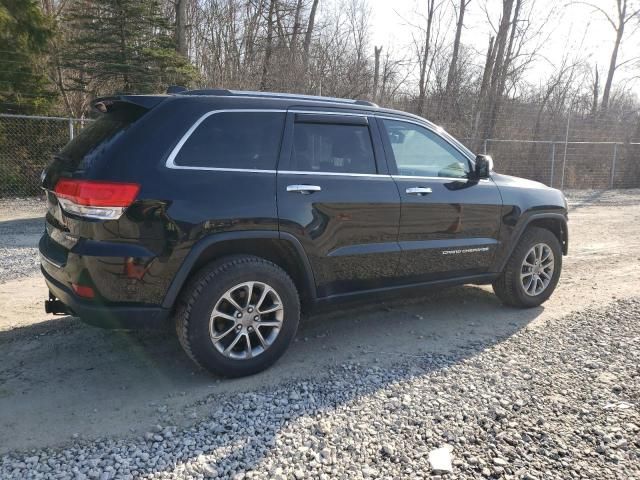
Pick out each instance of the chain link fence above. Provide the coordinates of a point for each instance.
(26, 146)
(568, 164)
(28, 142)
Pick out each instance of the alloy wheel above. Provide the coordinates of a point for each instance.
(537, 269)
(246, 320)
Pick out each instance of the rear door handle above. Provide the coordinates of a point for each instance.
(419, 191)
(303, 189)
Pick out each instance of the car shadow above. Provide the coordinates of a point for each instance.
(66, 377)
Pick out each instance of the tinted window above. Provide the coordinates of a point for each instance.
(322, 147)
(234, 140)
(95, 139)
(420, 152)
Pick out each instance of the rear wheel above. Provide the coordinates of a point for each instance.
(238, 316)
(533, 270)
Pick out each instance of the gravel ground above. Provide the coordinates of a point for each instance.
(21, 224)
(509, 393)
(561, 401)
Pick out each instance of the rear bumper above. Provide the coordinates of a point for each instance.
(106, 316)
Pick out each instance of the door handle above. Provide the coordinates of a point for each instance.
(419, 191)
(303, 189)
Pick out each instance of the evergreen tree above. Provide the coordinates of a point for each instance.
(124, 46)
(24, 35)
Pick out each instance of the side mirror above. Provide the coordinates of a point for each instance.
(484, 166)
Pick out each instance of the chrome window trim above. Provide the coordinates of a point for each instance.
(335, 174)
(420, 177)
(170, 163)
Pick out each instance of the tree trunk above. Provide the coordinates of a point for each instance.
(422, 85)
(181, 28)
(269, 47)
(596, 92)
(296, 30)
(500, 68)
(612, 67)
(451, 88)
(307, 36)
(376, 71)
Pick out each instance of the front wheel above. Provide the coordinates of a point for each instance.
(533, 270)
(238, 316)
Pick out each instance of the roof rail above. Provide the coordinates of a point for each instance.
(292, 96)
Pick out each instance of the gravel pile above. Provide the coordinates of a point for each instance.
(557, 401)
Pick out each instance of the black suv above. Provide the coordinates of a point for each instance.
(231, 212)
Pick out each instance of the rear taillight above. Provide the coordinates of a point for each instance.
(95, 199)
(83, 290)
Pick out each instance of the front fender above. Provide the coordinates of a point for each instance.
(554, 221)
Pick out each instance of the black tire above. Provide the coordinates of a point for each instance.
(508, 287)
(200, 296)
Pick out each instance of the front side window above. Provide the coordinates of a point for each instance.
(326, 147)
(420, 152)
(246, 140)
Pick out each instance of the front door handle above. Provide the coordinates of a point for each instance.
(419, 191)
(303, 189)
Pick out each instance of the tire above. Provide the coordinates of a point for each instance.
(205, 312)
(511, 289)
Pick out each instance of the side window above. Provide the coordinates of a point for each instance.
(420, 152)
(325, 147)
(234, 140)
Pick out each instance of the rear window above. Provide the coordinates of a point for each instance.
(247, 140)
(95, 139)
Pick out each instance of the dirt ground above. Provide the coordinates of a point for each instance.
(61, 380)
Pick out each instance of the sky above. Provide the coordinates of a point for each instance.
(575, 27)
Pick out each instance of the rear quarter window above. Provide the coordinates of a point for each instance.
(93, 143)
(245, 140)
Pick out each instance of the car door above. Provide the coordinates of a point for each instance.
(335, 195)
(449, 221)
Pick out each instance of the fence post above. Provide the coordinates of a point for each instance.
(553, 162)
(70, 129)
(484, 148)
(566, 144)
(613, 163)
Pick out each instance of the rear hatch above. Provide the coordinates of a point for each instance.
(81, 182)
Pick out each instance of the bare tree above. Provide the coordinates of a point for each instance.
(452, 81)
(309, 33)
(425, 53)
(596, 93)
(269, 46)
(625, 13)
(376, 71)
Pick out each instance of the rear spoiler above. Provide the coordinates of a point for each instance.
(107, 104)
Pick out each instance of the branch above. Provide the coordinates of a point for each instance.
(595, 7)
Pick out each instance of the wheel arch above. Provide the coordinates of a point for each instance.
(282, 249)
(556, 223)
